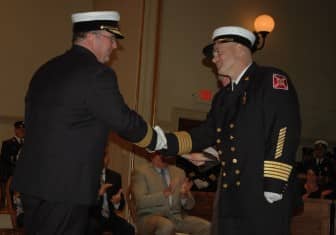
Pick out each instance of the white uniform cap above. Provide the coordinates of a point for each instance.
(323, 142)
(233, 31)
(95, 15)
(230, 34)
(97, 20)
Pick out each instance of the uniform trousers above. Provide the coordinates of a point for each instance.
(114, 224)
(251, 226)
(53, 218)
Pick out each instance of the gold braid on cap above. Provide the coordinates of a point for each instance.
(277, 170)
(280, 143)
(184, 142)
(146, 140)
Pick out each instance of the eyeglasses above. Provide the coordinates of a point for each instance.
(111, 37)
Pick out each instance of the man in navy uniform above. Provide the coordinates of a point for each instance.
(10, 151)
(72, 104)
(11, 148)
(254, 124)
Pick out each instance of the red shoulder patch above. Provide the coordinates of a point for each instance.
(280, 82)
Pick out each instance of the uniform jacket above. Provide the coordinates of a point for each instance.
(147, 188)
(256, 130)
(72, 103)
(324, 168)
(9, 153)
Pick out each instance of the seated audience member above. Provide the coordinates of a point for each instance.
(320, 162)
(111, 199)
(161, 190)
(311, 188)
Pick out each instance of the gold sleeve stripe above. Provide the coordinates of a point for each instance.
(281, 141)
(276, 173)
(273, 176)
(279, 170)
(277, 165)
(146, 139)
(184, 142)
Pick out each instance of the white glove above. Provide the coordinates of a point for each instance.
(200, 183)
(272, 197)
(161, 141)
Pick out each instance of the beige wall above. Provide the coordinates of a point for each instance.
(301, 44)
(32, 32)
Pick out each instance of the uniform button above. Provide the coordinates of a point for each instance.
(224, 173)
(232, 149)
(234, 160)
(223, 163)
(237, 172)
(231, 137)
(238, 183)
(220, 152)
(219, 129)
(212, 177)
(218, 141)
(225, 185)
(231, 125)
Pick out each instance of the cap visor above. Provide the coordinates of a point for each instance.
(208, 51)
(116, 33)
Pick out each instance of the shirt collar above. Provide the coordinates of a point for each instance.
(240, 75)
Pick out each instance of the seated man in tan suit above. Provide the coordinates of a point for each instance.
(161, 191)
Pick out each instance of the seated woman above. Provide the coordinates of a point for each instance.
(311, 188)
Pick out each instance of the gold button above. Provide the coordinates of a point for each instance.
(231, 137)
(225, 185)
(234, 160)
(218, 141)
(223, 163)
(238, 183)
(233, 149)
(231, 125)
(237, 172)
(219, 129)
(224, 173)
(220, 152)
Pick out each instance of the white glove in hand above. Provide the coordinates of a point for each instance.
(272, 197)
(200, 184)
(161, 141)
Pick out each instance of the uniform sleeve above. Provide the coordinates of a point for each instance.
(106, 102)
(198, 138)
(282, 131)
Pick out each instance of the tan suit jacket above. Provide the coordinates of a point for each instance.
(148, 187)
